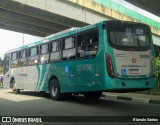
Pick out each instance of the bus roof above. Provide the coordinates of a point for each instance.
(55, 36)
(61, 34)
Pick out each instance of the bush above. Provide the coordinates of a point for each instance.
(157, 62)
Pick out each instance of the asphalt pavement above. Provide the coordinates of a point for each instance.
(136, 97)
(118, 105)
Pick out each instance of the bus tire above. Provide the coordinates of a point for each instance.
(16, 91)
(55, 93)
(92, 95)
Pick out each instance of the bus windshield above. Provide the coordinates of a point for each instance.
(129, 35)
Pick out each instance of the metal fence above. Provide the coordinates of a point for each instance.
(156, 89)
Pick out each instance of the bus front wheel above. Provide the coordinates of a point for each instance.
(55, 90)
(13, 86)
(15, 90)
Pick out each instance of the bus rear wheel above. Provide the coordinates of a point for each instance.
(92, 95)
(55, 90)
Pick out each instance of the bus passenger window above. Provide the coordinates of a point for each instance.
(55, 46)
(33, 56)
(44, 49)
(84, 40)
(55, 51)
(14, 60)
(23, 58)
(14, 56)
(69, 50)
(87, 49)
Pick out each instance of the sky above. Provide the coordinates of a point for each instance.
(11, 40)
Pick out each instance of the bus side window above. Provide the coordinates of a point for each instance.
(69, 50)
(14, 60)
(23, 58)
(93, 43)
(87, 49)
(80, 46)
(55, 48)
(33, 57)
(44, 51)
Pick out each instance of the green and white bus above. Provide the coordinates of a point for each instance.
(115, 56)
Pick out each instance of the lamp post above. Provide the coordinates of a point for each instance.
(23, 40)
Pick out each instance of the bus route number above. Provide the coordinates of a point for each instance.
(139, 32)
(84, 67)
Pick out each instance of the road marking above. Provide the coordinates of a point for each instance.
(111, 96)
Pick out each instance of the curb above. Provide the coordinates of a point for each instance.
(134, 99)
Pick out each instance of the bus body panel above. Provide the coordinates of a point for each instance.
(79, 76)
(119, 84)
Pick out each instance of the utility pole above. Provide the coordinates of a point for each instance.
(23, 40)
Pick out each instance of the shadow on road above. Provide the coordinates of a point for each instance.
(78, 105)
(32, 93)
(79, 99)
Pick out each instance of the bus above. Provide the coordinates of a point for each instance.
(109, 56)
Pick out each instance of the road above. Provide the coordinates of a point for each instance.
(35, 104)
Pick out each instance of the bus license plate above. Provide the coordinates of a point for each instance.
(134, 71)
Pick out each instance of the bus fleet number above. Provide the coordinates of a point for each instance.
(84, 67)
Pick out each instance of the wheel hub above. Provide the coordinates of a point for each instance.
(54, 90)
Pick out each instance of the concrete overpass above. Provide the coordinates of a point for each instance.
(35, 19)
(152, 6)
(45, 17)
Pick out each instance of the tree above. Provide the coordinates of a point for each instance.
(1, 65)
(1, 70)
(157, 62)
(0, 61)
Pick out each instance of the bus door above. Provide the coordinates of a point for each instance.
(6, 76)
(31, 71)
(22, 73)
